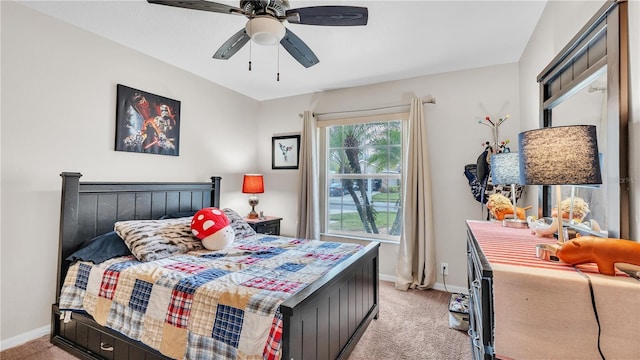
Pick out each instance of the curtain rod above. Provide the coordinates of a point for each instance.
(426, 101)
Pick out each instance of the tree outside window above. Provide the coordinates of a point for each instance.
(364, 179)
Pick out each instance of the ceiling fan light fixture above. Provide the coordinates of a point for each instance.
(265, 30)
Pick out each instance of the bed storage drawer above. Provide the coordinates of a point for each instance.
(85, 338)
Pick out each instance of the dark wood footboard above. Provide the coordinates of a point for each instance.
(326, 319)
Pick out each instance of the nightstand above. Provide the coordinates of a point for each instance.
(270, 225)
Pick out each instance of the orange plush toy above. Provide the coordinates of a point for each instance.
(499, 206)
(604, 252)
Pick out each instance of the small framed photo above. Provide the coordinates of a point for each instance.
(147, 123)
(285, 152)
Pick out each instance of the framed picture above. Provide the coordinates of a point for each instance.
(285, 151)
(147, 123)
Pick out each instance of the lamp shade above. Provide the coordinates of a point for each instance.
(563, 155)
(253, 184)
(505, 169)
(265, 30)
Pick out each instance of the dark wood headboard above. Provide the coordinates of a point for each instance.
(89, 209)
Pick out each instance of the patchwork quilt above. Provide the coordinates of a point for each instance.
(203, 304)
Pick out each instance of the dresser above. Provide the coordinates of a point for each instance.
(522, 307)
(480, 300)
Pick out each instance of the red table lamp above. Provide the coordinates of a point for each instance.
(253, 184)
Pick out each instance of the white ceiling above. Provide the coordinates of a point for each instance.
(402, 39)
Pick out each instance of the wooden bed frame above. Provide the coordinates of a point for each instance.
(325, 320)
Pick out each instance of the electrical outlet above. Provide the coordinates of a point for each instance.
(444, 268)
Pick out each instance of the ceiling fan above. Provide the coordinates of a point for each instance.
(265, 25)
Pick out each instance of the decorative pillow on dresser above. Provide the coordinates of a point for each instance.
(151, 240)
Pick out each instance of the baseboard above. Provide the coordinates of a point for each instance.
(385, 277)
(450, 288)
(24, 337)
(436, 286)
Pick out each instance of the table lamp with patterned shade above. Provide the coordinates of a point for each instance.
(253, 184)
(563, 155)
(505, 170)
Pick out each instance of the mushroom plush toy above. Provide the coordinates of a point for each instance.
(212, 226)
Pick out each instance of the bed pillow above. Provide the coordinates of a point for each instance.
(240, 227)
(151, 240)
(101, 248)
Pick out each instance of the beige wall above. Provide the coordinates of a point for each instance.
(462, 99)
(58, 114)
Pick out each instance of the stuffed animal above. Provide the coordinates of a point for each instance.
(547, 227)
(580, 209)
(499, 206)
(544, 227)
(604, 252)
(212, 226)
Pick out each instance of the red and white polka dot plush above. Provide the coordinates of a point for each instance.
(212, 226)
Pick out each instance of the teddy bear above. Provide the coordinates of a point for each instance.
(212, 226)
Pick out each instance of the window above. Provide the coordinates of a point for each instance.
(362, 176)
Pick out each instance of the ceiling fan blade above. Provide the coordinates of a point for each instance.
(231, 46)
(200, 5)
(329, 15)
(298, 49)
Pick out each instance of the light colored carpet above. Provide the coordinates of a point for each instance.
(39, 349)
(412, 325)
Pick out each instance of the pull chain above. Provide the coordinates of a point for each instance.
(278, 77)
(249, 48)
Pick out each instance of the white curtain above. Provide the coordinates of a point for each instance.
(308, 197)
(416, 266)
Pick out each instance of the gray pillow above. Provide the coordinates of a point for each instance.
(240, 227)
(151, 240)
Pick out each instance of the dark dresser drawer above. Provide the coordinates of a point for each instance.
(480, 301)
